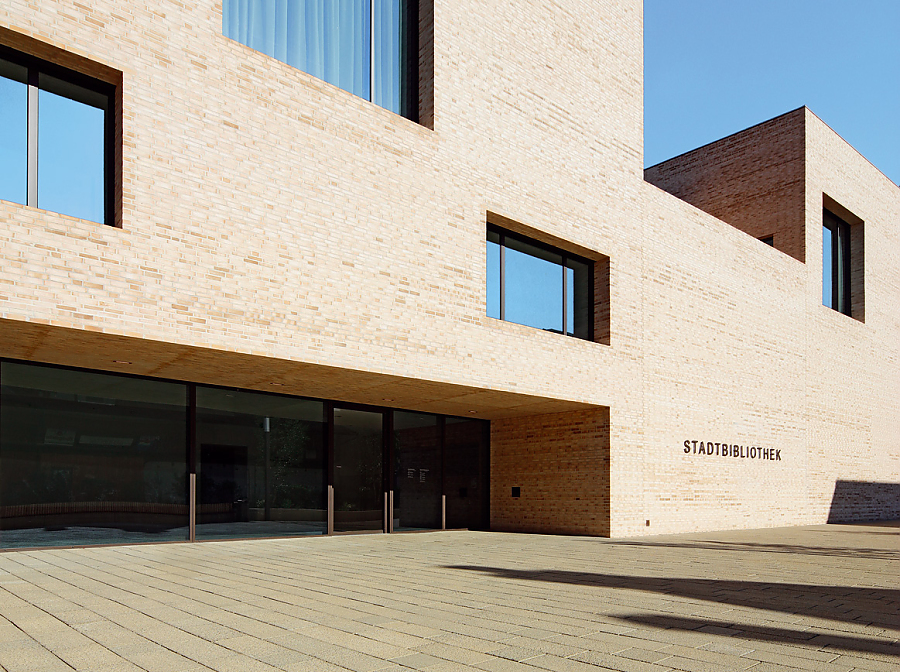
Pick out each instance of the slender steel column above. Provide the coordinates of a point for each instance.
(330, 529)
(192, 508)
(390, 511)
(268, 508)
(192, 461)
(443, 512)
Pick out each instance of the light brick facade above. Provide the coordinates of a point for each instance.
(274, 229)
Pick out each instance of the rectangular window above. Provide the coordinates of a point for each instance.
(366, 47)
(91, 458)
(260, 465)
(835, 263)
(56, 138)
(540, 286)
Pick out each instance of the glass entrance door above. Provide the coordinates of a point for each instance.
(358, 476)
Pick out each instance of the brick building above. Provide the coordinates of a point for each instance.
(299, 268)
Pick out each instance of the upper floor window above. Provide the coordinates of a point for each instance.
(537, 285)
(366, 47)
(835, 263)
(56, 138)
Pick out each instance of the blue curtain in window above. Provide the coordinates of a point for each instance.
(388, 72)
(329, 39)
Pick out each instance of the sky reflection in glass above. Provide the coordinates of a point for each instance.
(533, 286)
(70, 157)
(13, 133)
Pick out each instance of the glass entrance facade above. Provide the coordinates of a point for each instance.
(94, 458)
(358, 470)
(88, 458)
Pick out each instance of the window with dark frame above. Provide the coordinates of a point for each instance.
(835, 263)
(538, 285)
(367, 47)
(56, 138)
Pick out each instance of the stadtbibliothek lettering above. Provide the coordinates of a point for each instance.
(709, 448)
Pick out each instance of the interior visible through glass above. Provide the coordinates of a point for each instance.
(466, 469)
(358, 457)
(90, 458)
(417, 471)
(260, 465)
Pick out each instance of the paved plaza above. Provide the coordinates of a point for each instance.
(811, 598)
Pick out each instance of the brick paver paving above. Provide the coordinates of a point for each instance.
(812, 598)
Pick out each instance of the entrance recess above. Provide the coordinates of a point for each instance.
(358, 473)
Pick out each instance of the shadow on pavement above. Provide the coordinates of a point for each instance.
(794, 549)
(837, 643)
(878, 606)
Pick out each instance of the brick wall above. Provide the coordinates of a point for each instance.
(753, 180)
(560, 462)
(276, 230)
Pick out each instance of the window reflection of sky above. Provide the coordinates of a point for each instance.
(493, 279)
(13, 139)
(70, 157)
(533, 291)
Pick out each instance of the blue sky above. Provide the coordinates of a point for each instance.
(714, 67)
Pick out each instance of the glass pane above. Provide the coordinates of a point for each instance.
(533, 286)
(13, 133)
(329, 40)
(89, 458)
(842, 281)
(493, 278)
(387, 39)
(71, 152)
(578, 295)
(358, 485)
(827, 270)
(260, 465)
(466, 473)
(417, 471)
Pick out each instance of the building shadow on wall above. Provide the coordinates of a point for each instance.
(873, 607)
(862, 501)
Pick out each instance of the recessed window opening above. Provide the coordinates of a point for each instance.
(56, 138)
(537, 285)
(366, 47)
(835, 263)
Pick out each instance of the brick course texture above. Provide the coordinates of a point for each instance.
(274, 229)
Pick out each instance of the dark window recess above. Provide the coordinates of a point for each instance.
(57, 131)
(539, 286)
(768, 240)
(367, 47)
(835, 263)
(516, 491)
